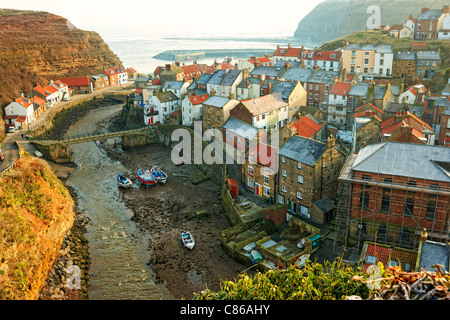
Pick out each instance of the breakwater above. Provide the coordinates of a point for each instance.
(181, 55)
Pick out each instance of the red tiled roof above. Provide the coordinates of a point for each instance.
(371, 106)
(41, 91)
(191, 70)
(341, 88)
(260, 60)
(51, 89)
(306, 127)
(384, 254)
(77, 81)
(24, 102)
(156, 82)
(21, 119)
(408, 118)
(327, 55)
(38, 100)
(271, 155)
(198, 99)
(288, 52)
(225, 66)
(366, 113)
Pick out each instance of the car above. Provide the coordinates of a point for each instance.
(11, 129)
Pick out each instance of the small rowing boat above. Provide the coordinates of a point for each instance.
(158, 174)
(187, 239)
(123, 181)
(38, 154)
(146, 177)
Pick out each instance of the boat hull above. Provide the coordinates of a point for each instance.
(188, 240)
(146, 177)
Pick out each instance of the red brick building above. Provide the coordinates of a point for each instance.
(389, 192)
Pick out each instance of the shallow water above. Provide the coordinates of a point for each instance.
(118, 249)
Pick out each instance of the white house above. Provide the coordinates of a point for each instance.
(384, 59)
(62, 88)
(21, 107)
(191, 109)
(337, 103)
(159, 107)
(412, 94)
(229, 83)
(213, 84)
(248, 88)
(122, 75)
(444, 34)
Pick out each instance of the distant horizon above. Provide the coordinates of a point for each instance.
(198, 17)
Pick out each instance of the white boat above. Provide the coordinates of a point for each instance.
(146, 177)
(123, 181)
(158, 174)
(38, 154)
(187, 239)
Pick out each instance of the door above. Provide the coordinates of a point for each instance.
(294, 207)
(258, 189)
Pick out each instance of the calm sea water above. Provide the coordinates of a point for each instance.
(138, 51)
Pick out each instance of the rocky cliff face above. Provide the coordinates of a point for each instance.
(36, 212)
(333, 19)
(36, 47)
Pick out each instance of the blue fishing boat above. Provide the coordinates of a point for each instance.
(160, 176)
(187, 239)
(146, 177)
(123, 181)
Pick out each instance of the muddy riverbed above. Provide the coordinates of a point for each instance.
(164, 211)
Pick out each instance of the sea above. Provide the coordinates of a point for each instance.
(138, 51)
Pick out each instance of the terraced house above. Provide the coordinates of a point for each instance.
(308, 172)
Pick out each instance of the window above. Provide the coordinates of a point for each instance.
(284, 189)
(266, 170)
(386, 200)
(299, 195)
(364, 199)
(283, 159)
(250, 171)
(300, 179)
(408, 209)
(250, 184)
(299, 165)
(266, 179)
(431, 206)
(284, 172)
(280, 199)
(366, 61)
(266, 191)
(304, 210)
(366, 53)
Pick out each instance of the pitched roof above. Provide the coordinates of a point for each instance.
(268, 71)
(434, 253)
(368, 106)
(24, 102)
(265, 104)
(306, 127)
(297, 74)
(198, 99)
(285, 88)
(388, 158)
(341, 88)
(217, 77)
(288, 52)
(260, 60)
(38, 100)
(176, 85)
(241, 128)
(327, 55)
(303, 150)
(77, 81)
(405, 118)
(166, 96)
(216, 101)
(230, 77)
(323, 76)
(386, 254)
(191, 71)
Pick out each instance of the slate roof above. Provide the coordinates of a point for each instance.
(297, 74)
(433, 253)
(294, 64)
(325, 205)
(359, 90)
(430, 15)
(166, 96)
(381, 48)
(243, 83)
(268, 71)
(176, 85)
(285, 87)
(428, 55)
(389, 158)
(264, 104)
(216, 101)
(405, 56)
(303, 150)
(230, 77)
(323, 76)
(217, 77)
(241, 128)
(204, 78)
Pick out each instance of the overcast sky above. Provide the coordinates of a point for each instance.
(185, 16)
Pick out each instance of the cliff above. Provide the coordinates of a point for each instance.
(36, 212)
(36, 47)
(333, 19)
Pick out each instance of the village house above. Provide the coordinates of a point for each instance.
(39, 106)
(260, 172)
(366, 126)
(191, 109)
(404, 65)
(308, 172)
(268, 72)
(433, 108)
(337, 104)
(293, 93)
(399, 31)
(132, 73)
(215, 112)
(389, 203)
(179, 88)
(429, 23)
(286, 54)
(199, 85)
(253, 62)
(248, 88)
(414, 95)
(327, 60)
(444, 131)
(428, 64)
(160, 106)
(112, 75)
(49, 94)
(239, 135)
(444, 34)
(100, 81)
(406, 127)
(213, 84)
(230, 81)
(368, 60)
(22, 106)
(318, 87)
(191, 72)
(122, 76)
(267, 112)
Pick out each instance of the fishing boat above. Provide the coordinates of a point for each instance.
(158, 174)
(146, 177)
(123, 181)
(187, 239)
(38, 154)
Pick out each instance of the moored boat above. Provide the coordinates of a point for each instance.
(123, 181)
(187, 239)
(38, 154)
(146, 177)
(158, 174)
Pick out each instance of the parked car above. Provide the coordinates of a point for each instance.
(11, 129)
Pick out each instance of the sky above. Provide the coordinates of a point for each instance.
(177, 16)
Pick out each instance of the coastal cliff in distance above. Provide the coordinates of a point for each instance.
(333, 19)
(36, 47)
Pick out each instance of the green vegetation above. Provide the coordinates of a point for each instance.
(333, 281)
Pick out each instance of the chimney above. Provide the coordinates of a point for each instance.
(425, 9)
(331, 142)
(289, 45)
(293, 130)
(424, 235)
(177, 63)
(263, 77)
(445, 9)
